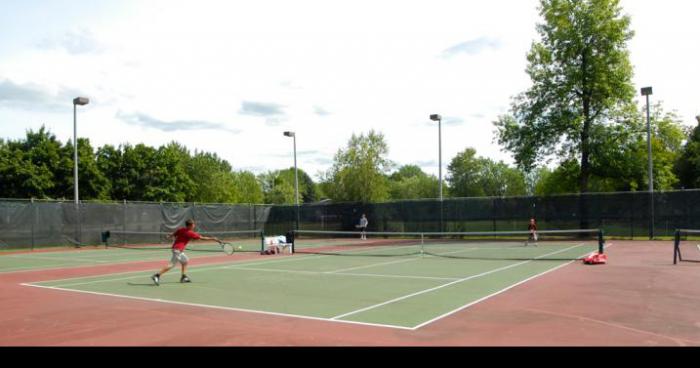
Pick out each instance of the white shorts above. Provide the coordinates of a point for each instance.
(178, 257)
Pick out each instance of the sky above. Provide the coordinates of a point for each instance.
(229, 77)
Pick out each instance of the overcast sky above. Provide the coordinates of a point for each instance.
(231, 76)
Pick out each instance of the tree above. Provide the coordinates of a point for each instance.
(247, 188)
(581, 76)
(212, 178)
(110, 161)
(19, 178)
(171, 182)
(308, 191)
(620, 159)
(40, 166)
(92, 184)
(471, 176)
(410, 182)
(688, 163)
(277, 188)
(359, 172)
(28, 167)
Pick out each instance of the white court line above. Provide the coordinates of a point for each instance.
(399, 261)
(345, 274)
(448, 284)
(235, 264)
(243, 264)
(218, 307)
(499, 292)
(77, 259)
(238, 265)
(489, 296)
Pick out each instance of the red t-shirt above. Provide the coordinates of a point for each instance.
(182, 237)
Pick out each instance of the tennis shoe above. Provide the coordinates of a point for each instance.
(156, 279)
(185, 279)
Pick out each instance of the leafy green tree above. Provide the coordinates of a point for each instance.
(213, 181)
(19, 177)
(581, 77)
(92, 184)
(277, 188)
(688, 163)
(410, 182)
(137, 173)
(308, 190)
(40, 166)
(28, 167)
(247, 188)
(359, 172)
(171, 182)
(471, 176)
(110, 161)
(620, 162)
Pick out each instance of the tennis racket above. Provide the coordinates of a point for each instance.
(228, 248)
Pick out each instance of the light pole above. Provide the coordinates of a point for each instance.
(438, 118)
(646, 91)
(296, 176)
(76, 101)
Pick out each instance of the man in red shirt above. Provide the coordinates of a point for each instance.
(532, 227)
(182, 237)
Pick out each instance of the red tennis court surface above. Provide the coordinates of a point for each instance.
(638, 299)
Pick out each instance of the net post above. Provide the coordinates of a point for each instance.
(422, 244)
(601, 242)
(294, 239)
(676, 246)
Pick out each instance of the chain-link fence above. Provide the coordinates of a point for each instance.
(41, 223)
(34, 223)
(622, 214)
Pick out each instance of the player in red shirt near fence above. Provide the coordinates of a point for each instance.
(182, 237)
(532, 227)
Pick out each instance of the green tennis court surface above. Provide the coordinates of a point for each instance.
(90, 256)
(401, 292)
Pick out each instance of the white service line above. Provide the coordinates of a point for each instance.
(345, 274)
(449, 284)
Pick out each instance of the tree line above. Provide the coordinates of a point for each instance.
(577, 129)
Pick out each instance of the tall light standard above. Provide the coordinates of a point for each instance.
(646, 91)
(438, 118)
(76, 101)
(296, 176)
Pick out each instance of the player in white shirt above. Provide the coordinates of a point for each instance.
(363, 227)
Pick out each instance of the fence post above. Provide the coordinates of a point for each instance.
(124, 221)
(33, 219)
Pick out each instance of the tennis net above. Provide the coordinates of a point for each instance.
(512, 245)
(686, 246)
(242, 240)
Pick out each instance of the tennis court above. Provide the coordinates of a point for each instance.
(400, 289)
